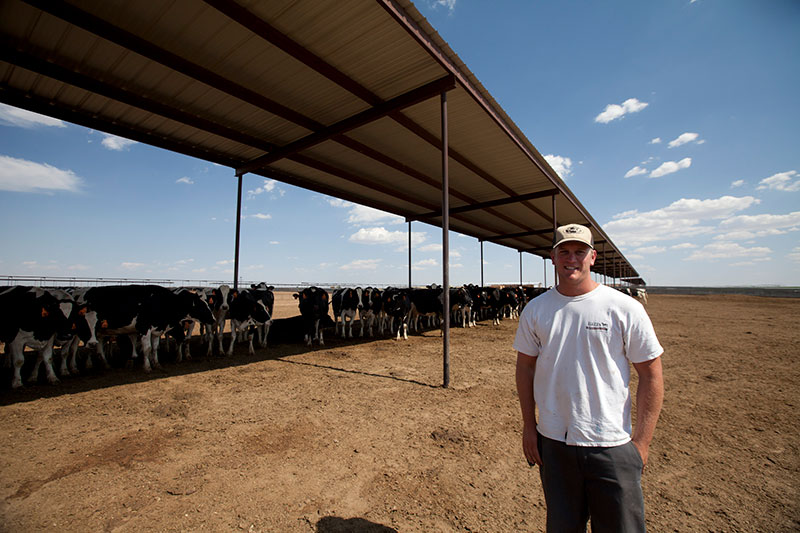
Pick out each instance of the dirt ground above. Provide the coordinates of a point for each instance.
(359, 435)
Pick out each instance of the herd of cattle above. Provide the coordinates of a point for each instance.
(43, 319)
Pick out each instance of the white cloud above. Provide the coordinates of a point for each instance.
(794, 255)
(20, 175)
(671, 166)
(615, 111)
(650, 250)
(781, 182)
(737, 183)
(118, 144)
(562, 165)
(683, 246)
(425, 263)
(362, 264)
(338, 202)
(14, 116)
(267, 186)
(679, 220)
(186, 180)
(635, 171)
(450, 5)
(362, 215)
(744, 227)
(729, 250)
(129, 265)
(684, 138)
(380, 235)
(655, 140)
(260, 216)
(274, 242)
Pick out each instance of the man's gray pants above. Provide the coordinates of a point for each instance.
(582, 482)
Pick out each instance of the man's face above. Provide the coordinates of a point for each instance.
(573, 261)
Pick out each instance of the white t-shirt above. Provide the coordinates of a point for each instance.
(583, 345)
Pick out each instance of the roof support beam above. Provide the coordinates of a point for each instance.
(491, 203)
(19, 53)
(127, 40)
(124, 39)
(408, 99)
(278, 39)
(494, 238)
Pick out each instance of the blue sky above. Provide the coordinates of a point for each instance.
(675, 122)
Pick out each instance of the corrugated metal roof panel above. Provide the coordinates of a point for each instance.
(234, 81)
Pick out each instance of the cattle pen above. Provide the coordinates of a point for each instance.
(358, 434)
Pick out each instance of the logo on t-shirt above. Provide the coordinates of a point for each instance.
(603, 326)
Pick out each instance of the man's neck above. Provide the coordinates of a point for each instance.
(577, 290)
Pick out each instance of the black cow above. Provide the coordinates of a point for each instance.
(485, 302)
(509, 302)
(264, 294)
(426, 302)
(293, 330)
(371, 308)
(247, 313)
(397, 306)
(346, 303)
(30, 316)
(313, 303)
(145, 312)
(461, 306)
(533, 292)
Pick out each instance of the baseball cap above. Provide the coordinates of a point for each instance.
(573, 232)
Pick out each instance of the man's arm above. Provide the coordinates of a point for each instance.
(649, 398)
(526, 369)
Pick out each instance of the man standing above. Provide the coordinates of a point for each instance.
(573, 346)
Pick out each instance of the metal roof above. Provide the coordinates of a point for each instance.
(339, 96)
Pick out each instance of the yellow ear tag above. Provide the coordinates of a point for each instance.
(45, 314)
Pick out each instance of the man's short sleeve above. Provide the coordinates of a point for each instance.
(641, 342)
(526, 340)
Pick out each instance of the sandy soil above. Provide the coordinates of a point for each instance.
(359, 435)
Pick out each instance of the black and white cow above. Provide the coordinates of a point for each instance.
(247, 313)
(397, 307)
(485, 303)
(82, 328)
(313, 303)
(509, 302)
(533, 292)
(143, 312)
(346, 304)
(30, 316)
(371, 308)
(219, 300)
(641, 294)
(426, 303)
(264, 294)
(461, 306)
(183, 335)
(293, 330)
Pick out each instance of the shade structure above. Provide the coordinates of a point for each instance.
(336, 96)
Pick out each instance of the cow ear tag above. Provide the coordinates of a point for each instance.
(82, 312)
(104, 324)
(45, 314)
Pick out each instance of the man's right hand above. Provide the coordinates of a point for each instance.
(529, 445)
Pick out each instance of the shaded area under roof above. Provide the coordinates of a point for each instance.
(340, 97)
